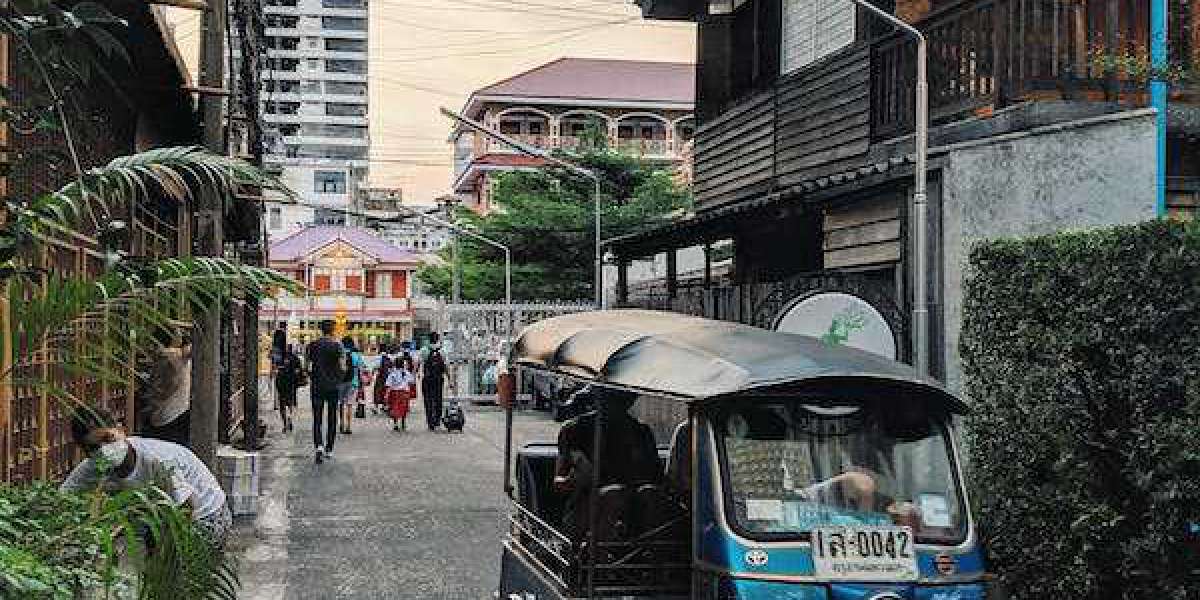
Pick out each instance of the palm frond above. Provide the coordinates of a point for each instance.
(101, 327)
(185, 173)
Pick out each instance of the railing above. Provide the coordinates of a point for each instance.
(996, 52)
(573, 143)
(536, 140)
(644, 147)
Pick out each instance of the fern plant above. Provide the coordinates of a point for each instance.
(98, 329)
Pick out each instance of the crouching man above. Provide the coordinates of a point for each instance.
(134, 462)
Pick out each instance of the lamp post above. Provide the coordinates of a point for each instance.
(508, 410)
(920, 312)
(598, 281)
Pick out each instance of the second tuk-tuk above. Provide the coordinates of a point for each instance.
(795, 469)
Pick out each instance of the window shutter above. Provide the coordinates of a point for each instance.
(321, 283)
(399, 284)
(813, 29)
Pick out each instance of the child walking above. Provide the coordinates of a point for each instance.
(400, 387)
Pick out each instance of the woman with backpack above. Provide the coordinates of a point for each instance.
(433, 376)
(351, 382)
(289, 377)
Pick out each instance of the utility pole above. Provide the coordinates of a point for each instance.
(209, 242)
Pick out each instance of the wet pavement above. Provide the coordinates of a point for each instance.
(393, 515)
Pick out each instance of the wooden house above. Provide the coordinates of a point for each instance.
(804, 151)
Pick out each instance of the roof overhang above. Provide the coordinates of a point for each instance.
(465, 181)
(672, 10)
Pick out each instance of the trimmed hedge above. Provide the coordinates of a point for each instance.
(1082, 357)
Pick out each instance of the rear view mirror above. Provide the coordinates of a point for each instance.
(506, 388)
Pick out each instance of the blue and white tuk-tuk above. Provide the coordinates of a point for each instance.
(794, 470)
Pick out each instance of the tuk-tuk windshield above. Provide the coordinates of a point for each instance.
(792, 466)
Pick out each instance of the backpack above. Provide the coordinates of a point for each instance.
(454, 419)
(435, 365)
(347, 366)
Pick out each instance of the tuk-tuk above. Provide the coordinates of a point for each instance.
(796, 470)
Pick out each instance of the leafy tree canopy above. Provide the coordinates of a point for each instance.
(547, 218)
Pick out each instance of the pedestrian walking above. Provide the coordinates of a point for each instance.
(401, 386)
(351, 382)
(289, 378)
(279, 344)
(433, 380)
(379, 390)
(326, 373)
(116, 461)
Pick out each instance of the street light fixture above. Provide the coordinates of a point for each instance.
(920, 313)
(519, 146)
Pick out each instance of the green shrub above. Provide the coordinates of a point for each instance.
(64, 545)
(1082, 353)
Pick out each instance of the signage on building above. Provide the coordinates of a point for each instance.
(840, 318)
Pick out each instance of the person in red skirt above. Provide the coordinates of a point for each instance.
(400, 387)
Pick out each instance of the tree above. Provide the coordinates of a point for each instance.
(547, 219)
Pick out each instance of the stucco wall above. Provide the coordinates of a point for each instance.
(1079, 175)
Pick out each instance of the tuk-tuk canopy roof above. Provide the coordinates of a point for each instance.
(697, 359)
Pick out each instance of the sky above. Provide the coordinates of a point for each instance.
(424, 55)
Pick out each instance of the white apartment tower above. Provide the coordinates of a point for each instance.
(315, 107)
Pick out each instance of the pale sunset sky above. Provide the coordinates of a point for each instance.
(429, 54)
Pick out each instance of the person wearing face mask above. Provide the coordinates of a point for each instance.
(119, 462)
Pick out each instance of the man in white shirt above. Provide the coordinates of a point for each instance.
(119, 462)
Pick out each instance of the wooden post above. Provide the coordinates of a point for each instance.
(209, 241)
(708, 266)
(6, 390)
(672, 273)
(7, 339)
(250, 389)
(622, 282)
(41, 445)
(1112, 46)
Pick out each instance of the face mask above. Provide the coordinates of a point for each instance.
(113, 453)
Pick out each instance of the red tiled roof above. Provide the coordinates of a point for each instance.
(602, 79)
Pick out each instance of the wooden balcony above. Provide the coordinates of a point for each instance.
(987, 54)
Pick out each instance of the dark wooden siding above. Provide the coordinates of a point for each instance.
(735, 153)
(807, 125)
(824, 117)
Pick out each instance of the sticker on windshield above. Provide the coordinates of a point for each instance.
(764, 510)
(935, 511)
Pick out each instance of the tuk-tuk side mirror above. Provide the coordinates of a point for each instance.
(506, 388)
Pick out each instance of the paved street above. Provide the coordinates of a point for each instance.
(394, 515)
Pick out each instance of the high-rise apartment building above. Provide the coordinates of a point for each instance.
(315, 107)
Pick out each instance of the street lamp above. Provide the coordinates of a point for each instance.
(920, 313)
(598, 281)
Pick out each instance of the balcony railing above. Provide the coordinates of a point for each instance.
(644, 147)
(997, 52)
(637, 146)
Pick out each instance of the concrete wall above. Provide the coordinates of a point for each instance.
(1078, 175)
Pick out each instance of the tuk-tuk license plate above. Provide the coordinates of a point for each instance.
(864, 553)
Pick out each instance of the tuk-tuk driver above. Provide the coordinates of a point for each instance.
(629, 455)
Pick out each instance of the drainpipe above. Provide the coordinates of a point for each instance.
(920, 312)
(1158, 98)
